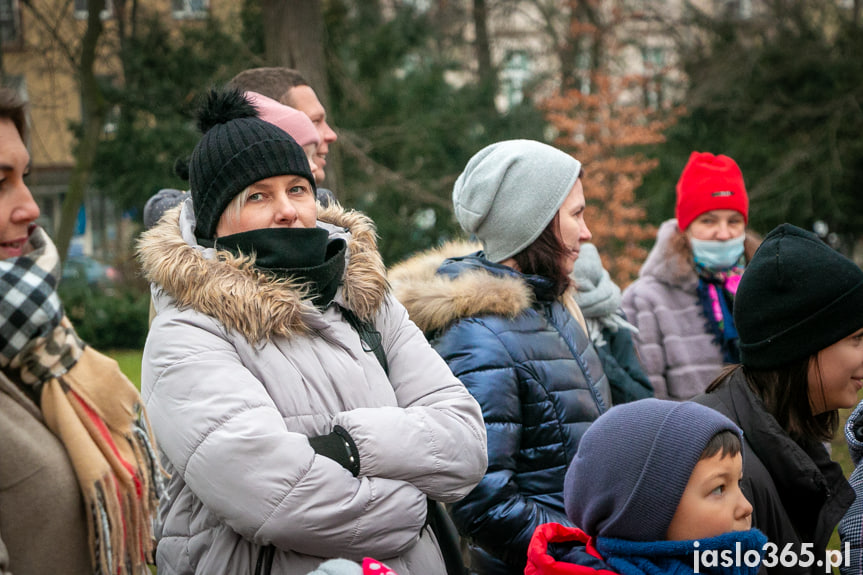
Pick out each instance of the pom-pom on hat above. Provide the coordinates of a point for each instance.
(510, 191)
(291, 120)
(708, 183)
(797, 297)
(161, 202)
(236, 150)
(633, 464)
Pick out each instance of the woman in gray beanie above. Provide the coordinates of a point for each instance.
(505, 320)
(300, 412)
(799, 313)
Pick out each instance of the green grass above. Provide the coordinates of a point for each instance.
(130, 363)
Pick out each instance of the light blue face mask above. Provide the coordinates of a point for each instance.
(717, 255)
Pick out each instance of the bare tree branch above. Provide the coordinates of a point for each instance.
(53, 30)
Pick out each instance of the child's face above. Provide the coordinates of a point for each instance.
(712, 503)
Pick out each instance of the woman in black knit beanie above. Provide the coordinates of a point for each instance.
(304, 416)
(799, 313)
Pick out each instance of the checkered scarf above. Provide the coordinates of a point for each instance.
(35, 341)
(89, 404)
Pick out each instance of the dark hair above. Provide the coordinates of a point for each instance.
(272, 82)
(785, 393)
(14, 108)
(543, 256)
(726, 442)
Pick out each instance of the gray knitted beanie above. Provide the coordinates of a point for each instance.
(236, 150)
(633, 464)
(510, 191)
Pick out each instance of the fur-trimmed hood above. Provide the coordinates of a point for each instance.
(667, 265)
(229, 289)
(434, 301)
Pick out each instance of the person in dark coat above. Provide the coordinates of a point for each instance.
(599, 299)
(799, 313)
(505, 320)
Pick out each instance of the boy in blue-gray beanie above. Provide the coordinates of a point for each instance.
(653, 488)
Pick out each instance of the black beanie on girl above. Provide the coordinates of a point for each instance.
(236, 150)
(797, 297)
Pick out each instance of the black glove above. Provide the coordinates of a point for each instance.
(338, 446)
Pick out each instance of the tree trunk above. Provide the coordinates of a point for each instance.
(294, 37)
(92, 124)
(487, 76)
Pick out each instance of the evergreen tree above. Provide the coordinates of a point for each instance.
(405, 132)
(781, 93)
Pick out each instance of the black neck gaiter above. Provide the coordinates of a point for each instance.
(302, 254)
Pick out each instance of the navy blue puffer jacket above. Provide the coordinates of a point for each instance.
(537, 378)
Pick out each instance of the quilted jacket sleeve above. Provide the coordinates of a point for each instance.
(648, 341)
(435, 439)
(495, 515)
(219, 428)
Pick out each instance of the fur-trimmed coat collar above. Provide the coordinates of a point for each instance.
(667, 265)
(434, 301)
(242, 298)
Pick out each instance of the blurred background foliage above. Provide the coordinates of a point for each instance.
(780, 92)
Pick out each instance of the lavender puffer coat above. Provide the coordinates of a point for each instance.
(676, 348)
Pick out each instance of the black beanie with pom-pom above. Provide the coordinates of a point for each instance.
(236, 150)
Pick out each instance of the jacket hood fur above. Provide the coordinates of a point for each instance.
(436, 301)
(665, 264)
(229, 289)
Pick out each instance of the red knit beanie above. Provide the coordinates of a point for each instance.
(708, 183)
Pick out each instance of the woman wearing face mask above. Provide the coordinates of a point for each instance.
(682, 301)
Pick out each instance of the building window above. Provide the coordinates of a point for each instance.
(514, 76)
(734, 9)
(189, 9)
(653, 59)
(81, 10)
(10, 23)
